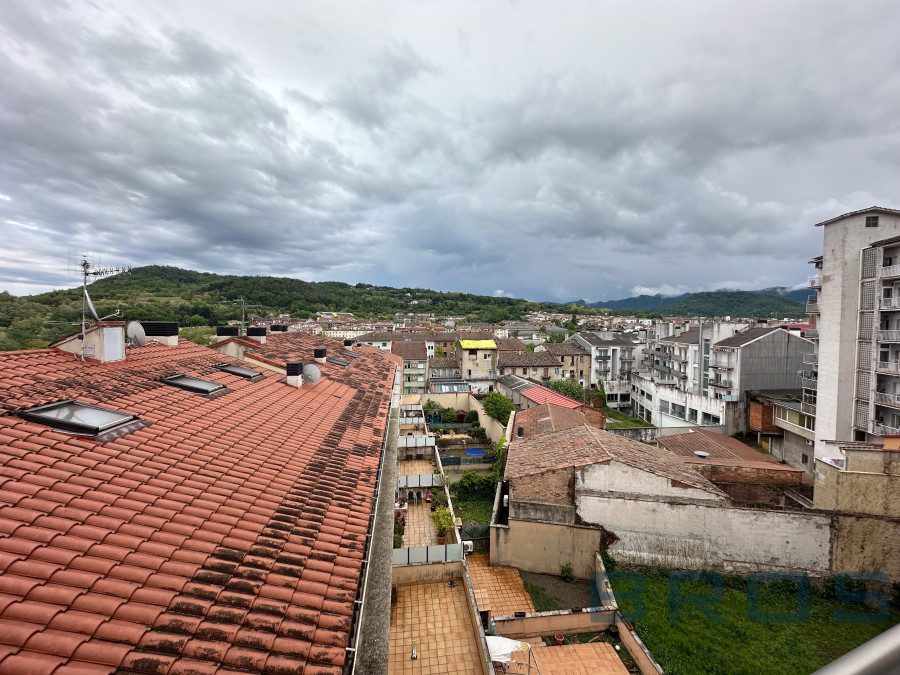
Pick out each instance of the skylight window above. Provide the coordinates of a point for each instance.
(194, 384)
(240, 371)
(339, 362)
(77, 417)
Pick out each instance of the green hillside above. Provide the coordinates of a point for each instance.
(735, 303)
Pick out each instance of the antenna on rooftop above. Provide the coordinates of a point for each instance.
(86, 264)
(243, 303)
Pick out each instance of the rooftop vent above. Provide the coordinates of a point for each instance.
(225, 332)
(294, 370)
(348, 345)
(277, 328)
(702, 454)
(257, 333)
(164, 332)
(319, 355)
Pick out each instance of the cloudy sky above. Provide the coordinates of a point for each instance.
(537, 149)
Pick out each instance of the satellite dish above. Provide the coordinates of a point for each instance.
(91, 305)
(311, 373)
(136, 333)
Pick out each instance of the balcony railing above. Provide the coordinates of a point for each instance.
(811, 359)
(809, 382)
(889, 303)
(808, 408)
(725, 384)
(884, 430)
(812, 307)
(603, 357)
(721, 366)
(888, 366)
(890, 271)
(731, 398)
(815, 282)
(889, 336)
(662, 368)
(812, 334)
(892, 400)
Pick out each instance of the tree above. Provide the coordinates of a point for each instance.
(498, 406)
(568, 387)
(601, 393)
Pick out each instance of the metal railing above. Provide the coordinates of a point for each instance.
(811, 359)
(808, 408)
(890, 271)
(884, 398)
(812, 333)
(889, 336)
(809, 382)
(888, 366)
(889, 303)
(812, 307)
(727, 384)
(884, 430)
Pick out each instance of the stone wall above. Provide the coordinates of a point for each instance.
(545, 547)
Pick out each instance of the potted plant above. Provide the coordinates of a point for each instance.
(443, 522)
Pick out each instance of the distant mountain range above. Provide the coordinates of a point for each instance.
(765, 302)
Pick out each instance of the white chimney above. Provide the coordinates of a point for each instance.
(294, 373)
(319, 355)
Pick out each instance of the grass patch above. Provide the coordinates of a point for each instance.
(542, 601)
(619, 420)
(478, 510)
(735, 644)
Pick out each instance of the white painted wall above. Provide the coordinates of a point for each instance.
(693, 536)
(625, 479)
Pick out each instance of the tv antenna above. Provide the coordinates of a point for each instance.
(243, 303)
(87, 265)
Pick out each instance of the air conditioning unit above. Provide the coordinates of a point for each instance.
(468, 546)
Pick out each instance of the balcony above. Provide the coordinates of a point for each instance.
(812, 307)
(890, 272)
(888, 366)
(809, 408)
(889, 304)
(725, 384)
(721, 366)
(892, 400)
(889, 336)
(809, 382)
(815, 282)
(884, 430)
(663, 369)
(603, 357)
(812, 334)
(731, 398)
(811, 359)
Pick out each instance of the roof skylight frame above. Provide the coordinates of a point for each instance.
(238, 371)
(196, 385)
(337, 361)
(67, 411)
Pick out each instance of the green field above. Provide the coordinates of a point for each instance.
(738, 645)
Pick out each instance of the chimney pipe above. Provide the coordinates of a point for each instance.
(257, 333)
(319, 355)
(348, 345)
(225, 332)
(294, 371)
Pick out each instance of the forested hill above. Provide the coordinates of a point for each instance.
(762, 303)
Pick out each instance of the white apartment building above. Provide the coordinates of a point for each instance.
(702, 376)
(613, 358)
(853, 380)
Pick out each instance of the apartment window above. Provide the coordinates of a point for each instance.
(556, 371)
(524, 371)
(486, 356)
(469, 373)
(520, 432)
(804, 459)
(871, 221)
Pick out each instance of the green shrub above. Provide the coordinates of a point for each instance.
(471, 417)
(567, 574)
(498, 406)
(471, 486)
(443, 520)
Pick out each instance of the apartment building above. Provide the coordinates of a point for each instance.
(415, 366)
(478, 363)
(612, 359)
(574, 359)
(852, 380)
(702, 376)
(540, 367)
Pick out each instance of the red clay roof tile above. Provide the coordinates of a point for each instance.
(220, 520)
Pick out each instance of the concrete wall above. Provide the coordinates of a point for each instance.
(636, 648)
(625, 480)
(545, 547)
(772, 362)
(855, 492)
(694, 536)
(550, 623)
(866, 544)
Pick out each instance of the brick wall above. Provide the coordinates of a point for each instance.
(751, 475)
(552, 486)
(761, 417)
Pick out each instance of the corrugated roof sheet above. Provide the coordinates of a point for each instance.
(478, 344)
(228, 535)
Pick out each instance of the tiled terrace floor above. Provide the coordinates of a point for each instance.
(437, 617)
(593, 658)
(419, 527)
(416, 467)
(505, 591)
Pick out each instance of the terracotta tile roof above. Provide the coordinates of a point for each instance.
(527, 360)
(563, 349)
(548, 417)
(228, 534)
(718, 446)
(540, 395)
(510, 345)
(443, 363)
(584, 445)
(410, 351)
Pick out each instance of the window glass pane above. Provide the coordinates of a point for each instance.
(193, 384)
(76, 416)
(240, 371)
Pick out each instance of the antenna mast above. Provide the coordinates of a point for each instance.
(89, 268)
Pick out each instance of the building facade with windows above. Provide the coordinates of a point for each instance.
(613, 357)
(853, 378)
(478, 363)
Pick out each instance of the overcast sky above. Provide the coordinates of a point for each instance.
(543, 150)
